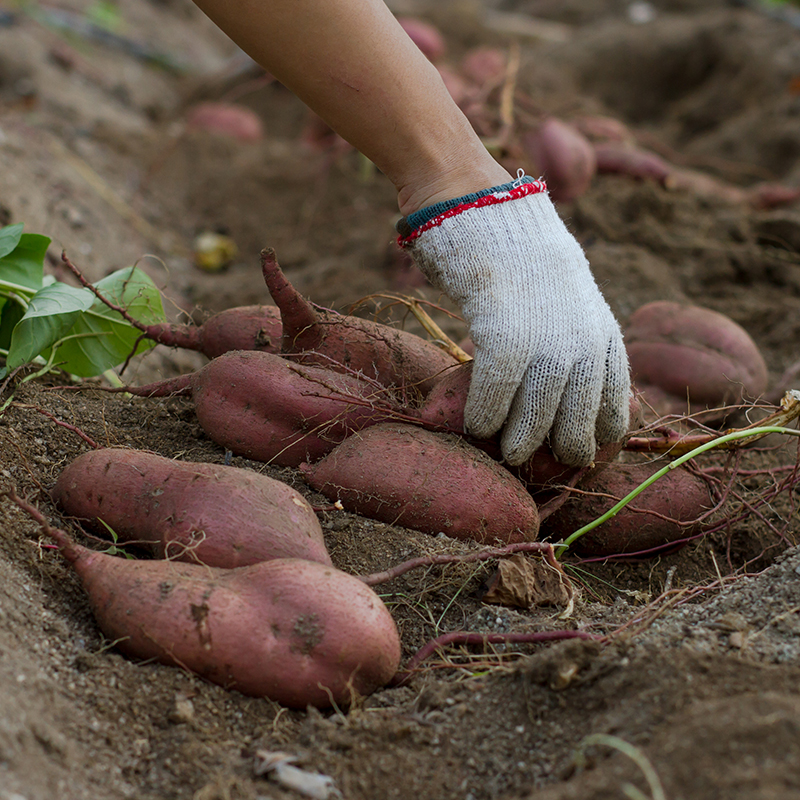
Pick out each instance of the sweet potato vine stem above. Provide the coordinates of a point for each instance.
(77, 431)
(68, 549)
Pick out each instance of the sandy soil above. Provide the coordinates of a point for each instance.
(699, 669)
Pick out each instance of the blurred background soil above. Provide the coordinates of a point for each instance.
(700, 672)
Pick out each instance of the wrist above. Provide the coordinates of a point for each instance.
(450, 180)
(432, 216)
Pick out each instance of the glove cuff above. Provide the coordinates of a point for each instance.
(409, 228)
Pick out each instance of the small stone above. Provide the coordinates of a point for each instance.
(183, 710)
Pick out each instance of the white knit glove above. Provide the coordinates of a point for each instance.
(549, 356)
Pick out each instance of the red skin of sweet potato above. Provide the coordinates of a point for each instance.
(226, 119)
(599, 128)
(425, 36)
(298, 632)
(393, 357)
(263, 407)
(484, 65)
(564, 157)
(203, 513)
(678, 495)
(443, 409)
(240, 328)
(428, 481)
(626, 159)
(690, 350)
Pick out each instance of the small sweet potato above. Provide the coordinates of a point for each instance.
(226, 119)
(428, 481)
(563, 156)
(698, 357)
(484, 65)
(652, 521)
(457, 86)
(426, 36)
(393, 357)
(240, 328)
(298, 632)
(263, 407)
(203, 513)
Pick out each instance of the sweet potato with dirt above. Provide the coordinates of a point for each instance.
(261, 406)
(240, 328)
(697, 357)
(443, 409)
(658, 519)
(203, 513)
(431, 482)
(563, 156)
(391, 356)
(298, 632)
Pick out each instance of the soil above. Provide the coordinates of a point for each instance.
(697, 676)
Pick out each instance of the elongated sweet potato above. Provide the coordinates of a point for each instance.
(298, 632)
(652, 521)
(627, 159)
(391, 356)
(240, 328)
(698, 357)
(443, 409)
(429, 481)
(204, 513)
(263, 407)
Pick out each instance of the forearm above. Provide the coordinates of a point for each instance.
(351, 62)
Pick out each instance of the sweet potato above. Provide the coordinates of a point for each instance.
(204, 513)
(627, 159)
(298, 632)
(428, 481)
(772, 195)
(391, 356)
(563, 156)
(226, 119)
(484, 65)
(240, 328)
(443, 409)
(457, 86)
(698, 357)
(651, 521)
(599, 128)
(263, 407)
(425, 36)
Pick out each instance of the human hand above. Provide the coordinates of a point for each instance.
(549, 356)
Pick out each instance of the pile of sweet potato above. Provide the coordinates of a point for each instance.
(373, 417)
(240, 587)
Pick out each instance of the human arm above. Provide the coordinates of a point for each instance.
(549, 357)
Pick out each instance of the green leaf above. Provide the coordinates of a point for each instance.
(51, 313)
(100, 338)
(10, 315)
(24, 264)
(9, 238)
